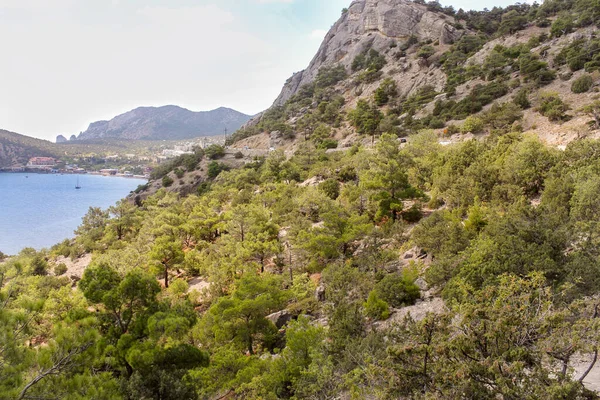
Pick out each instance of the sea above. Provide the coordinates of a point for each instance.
(40, 210)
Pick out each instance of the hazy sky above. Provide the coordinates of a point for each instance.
(66, 63)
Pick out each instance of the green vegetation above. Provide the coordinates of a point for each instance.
(582, 84)
(262, 243)
(552, 106)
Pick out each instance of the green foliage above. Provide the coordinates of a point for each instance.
(376, 308)
(472, 124)
(562, 26)
(369, 60)
(365, 118)
(522, 99)
(397, 290)
(385, 91)
(60, 269)
(552, 106)
(214, 151)
(533, 69)
(582, 84)
(329, 76)
(331, 188)
(426, 52)
(215, 168)
(167, 181)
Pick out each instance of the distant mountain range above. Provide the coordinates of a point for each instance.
(165, 123)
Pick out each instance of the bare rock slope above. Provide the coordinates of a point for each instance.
(372, 24)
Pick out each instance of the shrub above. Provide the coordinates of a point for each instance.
(214, 151)
(60, 269)
(167, 181)
(397, 291)
(426, 52)
(179, 173)
(348, 174)
(385, 91)
(331, 188)
(582, 84)
(39, 266)
(376, 308)
(521, 99)
(552, 107)
(328, 144)
(329, 76)
(370, 60)
(472, 124)
(436, 123)
(2, 256)
(215, 168)
(239, 155)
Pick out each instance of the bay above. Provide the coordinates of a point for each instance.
(40, 210)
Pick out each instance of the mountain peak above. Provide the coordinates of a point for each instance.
(169, 122)
(373, 24)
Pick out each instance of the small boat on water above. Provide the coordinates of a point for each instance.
(77, 186)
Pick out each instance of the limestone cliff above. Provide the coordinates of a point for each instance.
(375, 24)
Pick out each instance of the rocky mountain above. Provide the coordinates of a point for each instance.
(397, 66)
(61, 139)
(373, 25)
(166, 123)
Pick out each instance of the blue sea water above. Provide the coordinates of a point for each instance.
(40, 210)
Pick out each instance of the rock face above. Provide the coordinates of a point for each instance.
(166, 123)
(61, 139)
(72, 138)
(372, 24)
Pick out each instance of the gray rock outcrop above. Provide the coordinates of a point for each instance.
(372, 24)
(61, 139)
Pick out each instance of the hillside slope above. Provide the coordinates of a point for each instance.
(166, 123)
(400, 67)
(17, 149)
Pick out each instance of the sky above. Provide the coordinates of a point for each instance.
(67, 63)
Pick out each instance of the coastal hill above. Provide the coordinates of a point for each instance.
(166, 123)
(17, 149)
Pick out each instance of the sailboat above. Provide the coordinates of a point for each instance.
(77, 186)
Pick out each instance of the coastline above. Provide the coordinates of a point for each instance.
(37, 172)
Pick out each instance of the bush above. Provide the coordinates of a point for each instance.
(167, 181)
(425, 52)
(39, 266)
(60, 269)
(553, 107)
(385, 91)
(331, 188)
(179, 173)
(215, 168)
(348, 174)
(375, 308)
(582, 84)
(397, 291)
(436, 123)
(329, 76)
(521, 99)
(365, 118)
(472, 125)
(214, 151)
(239, 155)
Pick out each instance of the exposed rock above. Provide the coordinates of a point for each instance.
(320, 293)
(422, 284)
(73, 138)
(372, 24)
(280, 318)
(61, 139)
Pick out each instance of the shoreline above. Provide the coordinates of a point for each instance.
(141, 177)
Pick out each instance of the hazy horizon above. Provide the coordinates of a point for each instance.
(69, 63)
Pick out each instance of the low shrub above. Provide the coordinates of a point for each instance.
(472, 124)
(167, 181)
(552, 107)
(582, 84)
